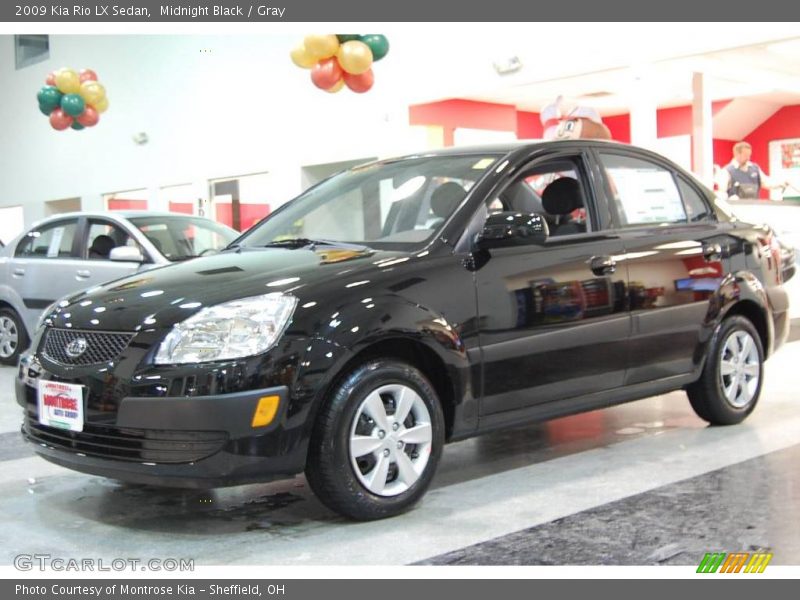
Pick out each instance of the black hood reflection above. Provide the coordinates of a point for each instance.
(160, 297)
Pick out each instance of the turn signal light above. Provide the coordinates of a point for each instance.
(266, 410)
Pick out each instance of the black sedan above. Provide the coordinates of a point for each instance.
(404, 304)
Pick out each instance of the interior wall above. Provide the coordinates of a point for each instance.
(784, 124)
(212, 106)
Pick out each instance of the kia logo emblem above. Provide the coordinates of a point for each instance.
(76, 347)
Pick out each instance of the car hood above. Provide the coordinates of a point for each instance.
(160, 297)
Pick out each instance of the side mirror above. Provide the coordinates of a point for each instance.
(126, 254)
(507, 229)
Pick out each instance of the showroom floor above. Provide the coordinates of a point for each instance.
(643, 483)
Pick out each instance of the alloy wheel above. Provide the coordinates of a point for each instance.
(9, 337)
(739, 369)
(390, 439)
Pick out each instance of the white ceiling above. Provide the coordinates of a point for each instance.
(603, 66)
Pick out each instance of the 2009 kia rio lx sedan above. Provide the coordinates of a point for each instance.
(403, 304)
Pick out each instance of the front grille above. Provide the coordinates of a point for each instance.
(100, 347)
(135, 445)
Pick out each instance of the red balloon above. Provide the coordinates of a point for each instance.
(51, 78)
(89, 117)
(326, 73)
(60, 120)
(360, 83)
(87, 75)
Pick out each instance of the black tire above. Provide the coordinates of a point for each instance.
(708, 395)
(331, 472)
(11, 325)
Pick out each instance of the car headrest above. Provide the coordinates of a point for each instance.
(102, 245)
(562, 196)
(446, 198)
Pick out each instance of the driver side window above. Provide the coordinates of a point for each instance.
(555, 189)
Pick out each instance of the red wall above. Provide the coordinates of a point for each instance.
(120, 204)
(249, 214)
(186, 208)
(529, 126)
(620, 127)
(782, 125)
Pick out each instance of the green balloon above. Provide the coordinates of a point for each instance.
(49, 98)
(377, 43)
(45, 110)
(72, 104)
(347, 37)
(77, 126)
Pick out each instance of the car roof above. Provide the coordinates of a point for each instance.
(124, 214)
(507, 147)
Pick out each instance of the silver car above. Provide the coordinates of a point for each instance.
(69, 252)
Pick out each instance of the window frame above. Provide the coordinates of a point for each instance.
(677, 175)
(74, 249)
(586, 171)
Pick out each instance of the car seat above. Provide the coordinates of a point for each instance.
(101, 246)
(559, 199)
(444, 201)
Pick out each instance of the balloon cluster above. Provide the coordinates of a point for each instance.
(72, 99)
(338, 60)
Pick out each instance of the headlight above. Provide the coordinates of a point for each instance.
(231, 330)
(46, 313)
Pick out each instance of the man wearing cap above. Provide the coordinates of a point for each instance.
(743, 179)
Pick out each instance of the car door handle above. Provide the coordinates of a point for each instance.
(603, 265)
(83, 274)
(19, 272)
(712, 251)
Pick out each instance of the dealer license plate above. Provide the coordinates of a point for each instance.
(61, 405)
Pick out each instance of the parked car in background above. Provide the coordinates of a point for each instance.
(66, 253)
(406, 303)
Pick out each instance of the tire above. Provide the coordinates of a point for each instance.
(362, 463)
(13, 337)
(730, 385)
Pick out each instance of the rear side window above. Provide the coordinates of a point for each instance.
(53, 240)
(643, 193)
(696, 208)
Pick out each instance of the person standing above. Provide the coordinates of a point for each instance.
(742, 178)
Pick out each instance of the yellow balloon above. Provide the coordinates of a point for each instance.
(321, 46)
(92, 92)
(102, 105)
(302, 58)
(68, 81)
(355, 57)
(336, 87)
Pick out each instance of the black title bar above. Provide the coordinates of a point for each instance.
(152, 11)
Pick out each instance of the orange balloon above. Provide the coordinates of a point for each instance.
(321, 46)
(355, 57)
(302, 58)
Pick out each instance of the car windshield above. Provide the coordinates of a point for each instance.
(182, 238)
(397, 204)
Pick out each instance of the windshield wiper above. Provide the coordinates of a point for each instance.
(309, 243)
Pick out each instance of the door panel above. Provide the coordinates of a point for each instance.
(675, 259)
(43, 265)
(550, 328)
(673, 273)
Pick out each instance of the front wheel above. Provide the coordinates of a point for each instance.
(730, 385)
(377, 441)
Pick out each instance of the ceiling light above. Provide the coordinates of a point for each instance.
(506, 66)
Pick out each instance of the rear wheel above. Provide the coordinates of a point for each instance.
(13, 337)
(729, 388)
(377, 442)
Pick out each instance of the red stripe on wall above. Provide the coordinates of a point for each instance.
(120, 204)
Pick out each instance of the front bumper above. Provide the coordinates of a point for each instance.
(199, 442)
